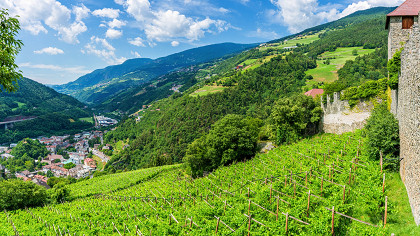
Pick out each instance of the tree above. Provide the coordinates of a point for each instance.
(60, 192)
(233, 138)
(293, 116)
(70, 165)
(50, 174)
(394, 69)
(32, 148)
(9, 48)
(382, 133)
(354, 52)
(18, 194)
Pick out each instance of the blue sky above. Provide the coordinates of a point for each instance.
(65, 39)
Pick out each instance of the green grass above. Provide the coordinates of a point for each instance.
(249, 62)
(328, 73)
(87, 119)
(20, 104)
(400, 221)
(301, 40)
(99, 164)
(205, 90)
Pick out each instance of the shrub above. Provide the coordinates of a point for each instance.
(18, 194)
(382, 133)
(293, 116)
(232, 138)
(394, 69)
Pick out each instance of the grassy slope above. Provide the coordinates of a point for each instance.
(205, 90)
(328, 73)
(400, 221)
(120, 207)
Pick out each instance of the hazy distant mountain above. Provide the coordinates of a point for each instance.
(102, 84)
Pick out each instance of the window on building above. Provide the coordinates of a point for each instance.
(407, 22)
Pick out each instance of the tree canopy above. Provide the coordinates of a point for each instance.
(18, 194)
(233, 138)
(9, 48)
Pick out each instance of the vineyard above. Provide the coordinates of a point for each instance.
(318, 186)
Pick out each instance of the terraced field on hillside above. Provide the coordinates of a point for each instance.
(307, 188)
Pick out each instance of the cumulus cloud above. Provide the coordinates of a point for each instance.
(107, 12)
(103, 49)
(35, 16)
(81, 12)
(169, 25)
(298, 15)
(113, 33)
(115, 23)
(50, 51)
(139, 42)
(174, 43)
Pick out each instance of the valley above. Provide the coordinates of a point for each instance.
(224, 139)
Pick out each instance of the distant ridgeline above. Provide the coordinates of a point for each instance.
(161, 134)
(103, 84)
(53, 112)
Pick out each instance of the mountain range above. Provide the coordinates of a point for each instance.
(102, 84)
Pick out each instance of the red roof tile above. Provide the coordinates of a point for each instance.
(314, 92)
(408, 8)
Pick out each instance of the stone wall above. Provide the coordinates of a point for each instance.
(409, 119)
(397, 34)
(394, 102)
(339, 118)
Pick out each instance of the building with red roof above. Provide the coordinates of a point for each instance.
(399, 23)
(314, 92)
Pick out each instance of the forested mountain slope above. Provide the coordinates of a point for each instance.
(164, 131)
(102, 84)
(37, 100)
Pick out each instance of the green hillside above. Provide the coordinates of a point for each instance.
(52, 109)
(103, 84)
(267, 73)
(331, 171)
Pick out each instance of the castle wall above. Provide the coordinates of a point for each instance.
(338, 118)
(397, 35)
(409, 119)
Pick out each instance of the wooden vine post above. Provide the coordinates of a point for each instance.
(332, 221)
(287, 221)
(383, 184)
(309, 200)
(249, 224)
(344, 194)
(277, 211)
(386, 210)
(217, 225)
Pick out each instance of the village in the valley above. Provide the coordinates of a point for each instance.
(69, 155)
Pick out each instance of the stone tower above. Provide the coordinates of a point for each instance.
(400, 23)
(403, 25)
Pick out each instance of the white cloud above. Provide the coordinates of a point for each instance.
(113, 33)
(81, 12)
(139, 9)
(174, 43)
(50, 51)
(135, 54)
(170, 25)
(115, 23)
(298, 15)
(77, 69)
(107, 12)
(139, 42)
(35, 16)
(104, 50)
